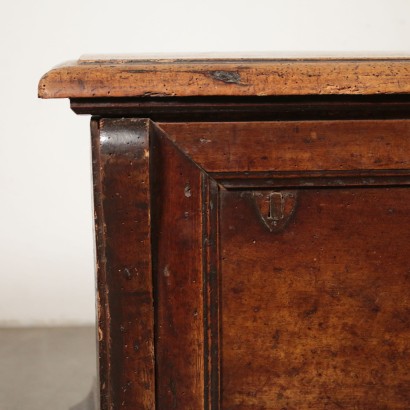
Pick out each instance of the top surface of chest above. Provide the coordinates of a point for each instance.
(196, 76)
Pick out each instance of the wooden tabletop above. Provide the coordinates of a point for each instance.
(247, 75)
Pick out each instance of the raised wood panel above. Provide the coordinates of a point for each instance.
(317, 315)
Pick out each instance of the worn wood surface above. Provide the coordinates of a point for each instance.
(294, 146)
(253, 243)
(124, 266)
(167, 77)
(307, 306)
(184, 212)
(178, 276)
(317, 315)
(252, 298)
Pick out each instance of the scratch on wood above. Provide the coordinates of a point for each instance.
(127, 274)
(187, 191)
(166, 271)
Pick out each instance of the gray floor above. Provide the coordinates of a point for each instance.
(46, 369)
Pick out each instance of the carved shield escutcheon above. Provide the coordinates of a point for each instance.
(275, 208)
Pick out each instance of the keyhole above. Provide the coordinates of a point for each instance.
(276, 203)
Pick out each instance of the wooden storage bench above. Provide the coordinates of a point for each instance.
(252, 230)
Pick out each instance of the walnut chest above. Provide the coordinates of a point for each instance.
(252, 230)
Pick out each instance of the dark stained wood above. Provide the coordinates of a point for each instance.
(323, 241)
(273, 179)
(211, 290)
(186, 336)
(166, 77)
(295, 146)
(124, 273)
(252, 243)
(284, 108)
(178, 273)
(317, 316)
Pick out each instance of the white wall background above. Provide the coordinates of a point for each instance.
(46, 245)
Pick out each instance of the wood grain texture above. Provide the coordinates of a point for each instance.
(240, 77)
(248, 317)
(253, 243)
(124, 268)
(178, 274)
(293, 146)
(211, 291)
(311, 314)
(316, 316)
